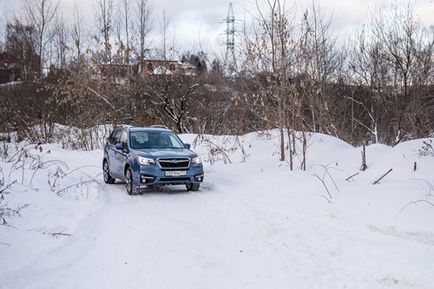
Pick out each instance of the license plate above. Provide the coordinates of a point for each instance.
(175, 173)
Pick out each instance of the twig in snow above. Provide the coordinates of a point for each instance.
(430, 186)
(3, 190)
(326, 172)
(47, 164)
(243, 152)
(55, 232)
(324, 184)
(322, 180)
(60, 192)
(5, 211)
(379, 179)
(79, 168)
(215, 151)
(414, 203)
(427, 149)
(327, 199)
(77, 195)
(350, 177)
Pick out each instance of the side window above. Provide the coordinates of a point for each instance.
(117, 136)
(112, 137)
(174, 142)
(124, 137)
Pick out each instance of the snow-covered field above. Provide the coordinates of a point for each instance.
(254, 224)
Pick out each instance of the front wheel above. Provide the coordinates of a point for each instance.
(129, 183)
(193, 187)
(106, 173)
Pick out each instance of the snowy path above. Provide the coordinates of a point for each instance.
(237, 232)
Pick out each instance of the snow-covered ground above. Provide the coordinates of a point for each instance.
(254, 224)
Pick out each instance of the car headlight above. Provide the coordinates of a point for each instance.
(145, 161)
(196, 160)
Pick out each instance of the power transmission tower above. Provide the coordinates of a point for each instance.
(230, 64)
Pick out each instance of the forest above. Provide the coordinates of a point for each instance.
(293, 72)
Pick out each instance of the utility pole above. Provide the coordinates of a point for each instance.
(230, 64)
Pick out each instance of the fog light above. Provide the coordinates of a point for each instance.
(147, 179)
(199, 178)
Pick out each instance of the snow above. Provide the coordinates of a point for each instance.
(253, 224)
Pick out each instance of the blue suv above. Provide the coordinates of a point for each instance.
(148, 156)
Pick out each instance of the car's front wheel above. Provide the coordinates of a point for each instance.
(193, 187)
(129, 183)
(106, 173)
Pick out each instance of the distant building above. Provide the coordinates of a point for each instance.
(167, 67)
(150, 68)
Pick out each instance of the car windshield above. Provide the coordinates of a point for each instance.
(155, 140)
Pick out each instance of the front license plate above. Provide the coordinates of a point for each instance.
(175, 173)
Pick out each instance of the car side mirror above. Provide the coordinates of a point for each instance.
(119, 146)
(187, 146)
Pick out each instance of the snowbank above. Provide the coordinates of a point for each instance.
(254, 224)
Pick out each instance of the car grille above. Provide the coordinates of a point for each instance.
(174, 163)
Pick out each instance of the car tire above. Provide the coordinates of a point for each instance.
(193, 187)
(129, 182)
(108, 179)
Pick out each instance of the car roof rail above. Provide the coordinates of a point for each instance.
(159, 126)
(124, 125)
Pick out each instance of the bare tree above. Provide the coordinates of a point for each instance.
(104, 23)
(21, 43)
(41, 14)
(408, 53)
(144, 26)
(127, 28)
(293, 65)
(268, 56)
(61, 41)
(77, 31)
(317, 62)
(368, 70)
(175, 99)
(120, 51)
(123, 26)
(393, 57)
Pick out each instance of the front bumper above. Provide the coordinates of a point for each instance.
(154, 175)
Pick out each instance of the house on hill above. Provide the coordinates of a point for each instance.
(167, 67)
(150, 69)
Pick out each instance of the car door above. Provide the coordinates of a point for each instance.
(120, 155)
(113, 152)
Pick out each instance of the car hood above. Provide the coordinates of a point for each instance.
(166, 153)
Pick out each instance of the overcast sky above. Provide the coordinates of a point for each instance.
(196, 24)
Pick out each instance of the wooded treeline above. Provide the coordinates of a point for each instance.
(292, 73)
